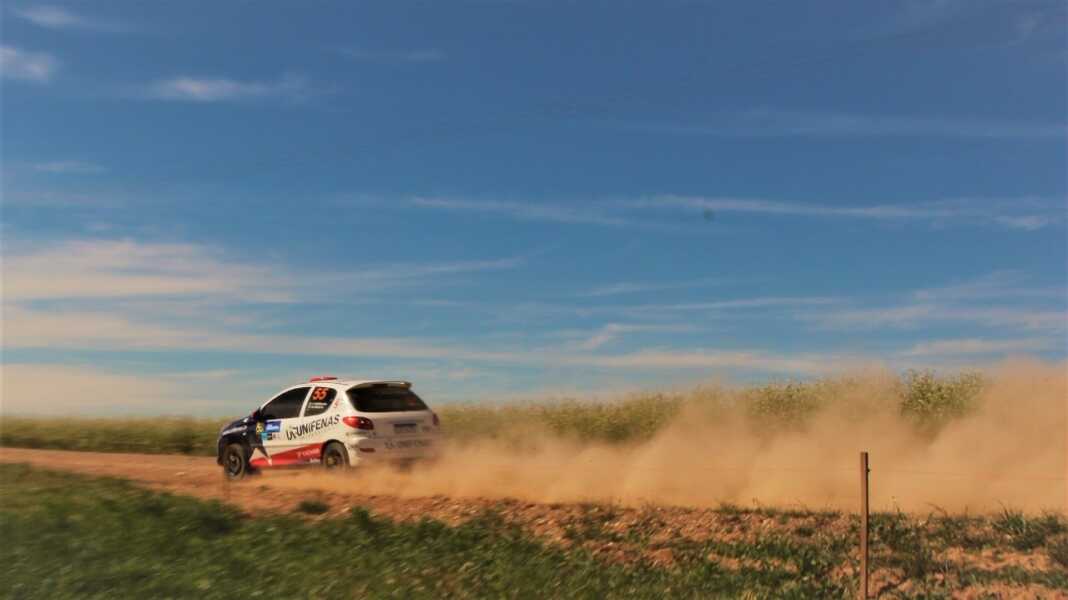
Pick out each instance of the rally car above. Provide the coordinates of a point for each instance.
(331, 422)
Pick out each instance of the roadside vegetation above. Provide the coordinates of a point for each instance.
(929, 400)
(72, 536)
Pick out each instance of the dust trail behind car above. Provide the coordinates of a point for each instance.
(1010, 452)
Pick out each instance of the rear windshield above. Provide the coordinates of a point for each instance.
(384, 399)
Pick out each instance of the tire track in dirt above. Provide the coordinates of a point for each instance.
(278, 491)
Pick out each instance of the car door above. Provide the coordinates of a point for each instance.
(317, 425)
(280, 420)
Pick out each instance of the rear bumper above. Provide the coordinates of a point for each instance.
(363, 449)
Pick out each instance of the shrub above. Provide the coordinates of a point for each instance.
(1027, 533)
(784, 404)
(932, 401)
(313, 507)
(1058, 550)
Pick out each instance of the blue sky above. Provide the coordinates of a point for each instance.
(205, 202)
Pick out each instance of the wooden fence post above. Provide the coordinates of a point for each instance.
(864, 525)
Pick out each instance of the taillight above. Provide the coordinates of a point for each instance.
(359, 423)
(437, 421)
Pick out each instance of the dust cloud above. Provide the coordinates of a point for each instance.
(1010, 453)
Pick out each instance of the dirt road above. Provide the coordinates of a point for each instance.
(281, 492)
(272, 491)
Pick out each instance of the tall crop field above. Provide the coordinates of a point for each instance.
(928, 399)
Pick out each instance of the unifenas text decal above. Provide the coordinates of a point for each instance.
(304, 429)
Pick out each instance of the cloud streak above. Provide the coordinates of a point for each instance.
(55, 17)
(783, 123)
(999, 284)
(22, 65)
(410, 56)
(526, 211)
(908, 316)
(107, 331)
(101, 268)
(1026, 214)
(632, 287)
(977, 346)
(1020, 214)
(187, 88)
(67, 167)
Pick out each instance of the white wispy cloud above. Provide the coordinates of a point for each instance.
(67, 167)
(751, 360)
(98, 391)
(125, 268)
(103, 268)
(106, 392)
(56, 17)
(613, 331)
(998, 284)
(742, 303)
(635, 287)
(22, 65)
(1000, 299)
(786, 123)
(914, 315)
(404, 56)
(111, 331)
(973, 346)
(1026, 213)
(221, 89)
(531, 211)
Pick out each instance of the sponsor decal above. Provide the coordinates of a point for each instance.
(319, 394)
(304, 429)
(259, 427)
(273, 426)
(303, 454)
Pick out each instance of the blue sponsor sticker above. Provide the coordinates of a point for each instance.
(273, 426)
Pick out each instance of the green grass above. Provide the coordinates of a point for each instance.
(930, 401)
(1058, 550)
(1027, 533)
(72, 536)
(68, 536)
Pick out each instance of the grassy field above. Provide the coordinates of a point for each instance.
(69, 536)
(929, 400)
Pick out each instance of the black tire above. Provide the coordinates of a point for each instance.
(335, 456)
(235, 462)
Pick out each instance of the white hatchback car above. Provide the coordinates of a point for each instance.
(332, 422)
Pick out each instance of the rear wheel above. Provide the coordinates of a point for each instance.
(234, 462)
(335, 456)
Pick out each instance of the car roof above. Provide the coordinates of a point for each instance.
(349, 383)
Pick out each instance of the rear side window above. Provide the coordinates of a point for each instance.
(384, 399)
(286, 405)
(321, 398)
